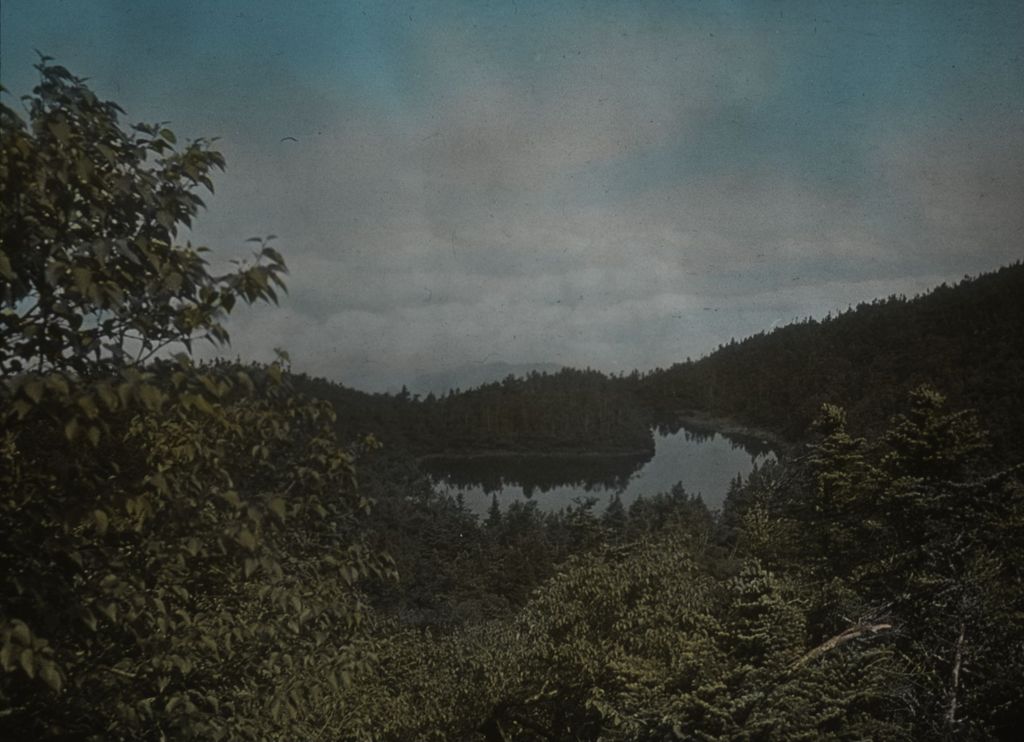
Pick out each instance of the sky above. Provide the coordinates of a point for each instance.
(617, 185)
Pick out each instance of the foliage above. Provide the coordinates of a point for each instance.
(917, 527)
(639, 642)
(92, 274)
(453, 569)
(181, 550)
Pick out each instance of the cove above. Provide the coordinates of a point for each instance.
(703, 461)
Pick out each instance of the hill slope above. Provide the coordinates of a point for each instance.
(967, 340)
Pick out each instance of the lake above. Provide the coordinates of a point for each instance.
(705, 462)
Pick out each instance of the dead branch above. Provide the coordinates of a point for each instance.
(854, 632)
(955, 685)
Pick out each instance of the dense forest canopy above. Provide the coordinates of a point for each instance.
(187, 552)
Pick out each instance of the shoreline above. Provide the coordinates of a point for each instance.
(727, 427)
(689, 419)
(528, 454)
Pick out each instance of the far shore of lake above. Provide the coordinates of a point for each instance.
(725, 426)
(483, 454)
(697, 422)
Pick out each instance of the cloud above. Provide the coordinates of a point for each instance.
(614, 186)
(957, 190)
(424, 281)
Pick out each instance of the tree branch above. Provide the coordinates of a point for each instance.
(854, 632)
(988, 481)
(954, 687)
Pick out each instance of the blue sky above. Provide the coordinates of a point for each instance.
(609, 184)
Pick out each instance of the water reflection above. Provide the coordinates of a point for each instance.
(755, 446)
(702, 460)
(534, 474)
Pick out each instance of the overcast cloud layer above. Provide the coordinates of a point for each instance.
(619, 185)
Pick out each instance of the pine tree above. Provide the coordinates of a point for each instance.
(493, 521)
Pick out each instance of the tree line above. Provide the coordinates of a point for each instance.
(964, 339)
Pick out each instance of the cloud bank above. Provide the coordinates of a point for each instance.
(619, 186)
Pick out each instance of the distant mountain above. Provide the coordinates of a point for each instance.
(472, 375)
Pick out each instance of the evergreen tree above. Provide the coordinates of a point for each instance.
(493, 521)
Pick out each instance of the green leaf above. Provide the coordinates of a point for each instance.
(107, 395)
(50, 675)
(231, 497)
(278, 508)
(168, 136)
(6, 270)
(58, 383)
(102, 521)
(203, 405)
(82, 278)
(26, 658)
(159, 482)
(21, 633)
(61, 130)
(150, 396)
(33, 390)
(88, 406)
(246, 539)
(89, 618)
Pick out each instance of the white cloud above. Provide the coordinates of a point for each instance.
(493, 222)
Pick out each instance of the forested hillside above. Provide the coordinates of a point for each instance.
(570, 411)
(965, 339)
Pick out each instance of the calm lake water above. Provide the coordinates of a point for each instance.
(703, 462)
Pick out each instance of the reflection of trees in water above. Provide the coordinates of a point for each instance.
(584, 473)
(756, 447)
(536, 473)
(698, 433)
